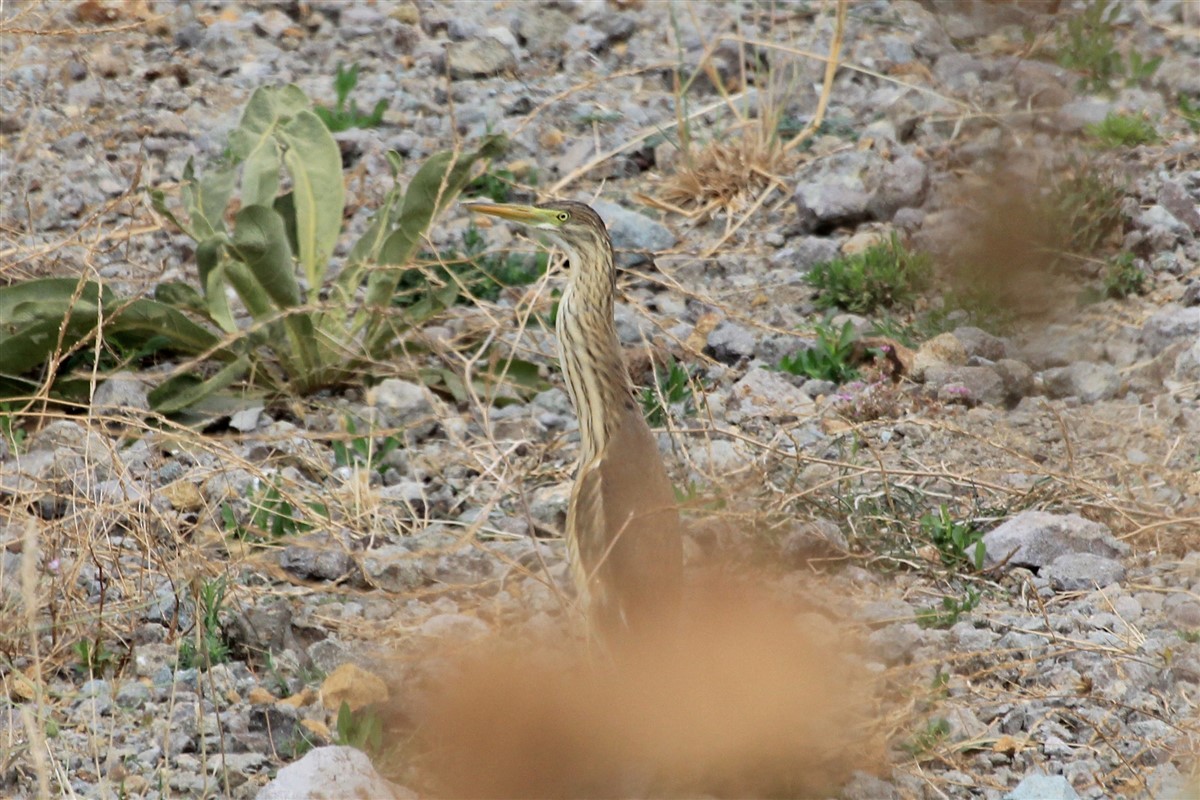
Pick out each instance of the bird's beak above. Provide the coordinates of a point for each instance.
(529, 215)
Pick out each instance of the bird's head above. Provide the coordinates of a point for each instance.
(573, 226)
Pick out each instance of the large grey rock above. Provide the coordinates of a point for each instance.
(833, 191)
(122, 394)
(967, 385)
(762, 393)
(634, 234)
(979, 343)
(1043, 787)
(730, 342)
(327, 772)
(1089, 381)
(406, 405)
(1075, 572)
(1035, 538)
(1170, 324)
(479, 58)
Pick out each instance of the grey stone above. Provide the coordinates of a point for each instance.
(833, 191)
(272, 23)
(1170, 324)
(1175, 199)
(1074, 116)
(330, 771)
(318, 558)
(896, 643)
(479, 58)
(634, 235)
(863, 786)
(899, 184)
(122, 394)
(969, 385)
(459, 627)
(1043, 787)
(247, 419)
(406, 405)
(980, 343)
(548, 505)
(542, 29)
(808, 251)
(763, 393)
(1035, 538)
(1073, 572)
(730, 342)
(1182, 611)
(943, 350)
(1089, 381)
(819, 538)
(1017, 378)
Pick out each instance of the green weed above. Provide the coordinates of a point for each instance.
(342, 117)
(671, 395)
(272, 514)
(950, 611)
(960, 544)
(12, 427)
(1088, 44)
(928, 739)
(213, 647)
(1190, 113)
(1123, 277)
(362, 729)
(1084, 209)
(471, 271)
(93, 657)
(828, 360)
(1122, 130)
(1191, 637)
(884, 275)
(361, 450)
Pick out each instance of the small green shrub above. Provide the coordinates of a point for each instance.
(341, 117)
(671, 395)
(928, 740)
(476, 274)
(882, 276)
(1123, 277)
(1083, 210)
(828, 360)
(358, 450)
(213, 647)
(950, 611)
(1122, 130)
(93, 657)
(1088, 44)
(362, 729)
(960, 544)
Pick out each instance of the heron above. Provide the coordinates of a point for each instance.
(623, 530)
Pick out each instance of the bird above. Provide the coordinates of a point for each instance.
(623, 533)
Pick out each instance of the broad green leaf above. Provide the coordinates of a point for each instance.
(268, 108)
(285, 207)
(211, 266)
(206, 199)
(184, 391)
(158, 201)
(314, 163)
(29, 301)
(260, 174)
(180, 295)
(260, 242)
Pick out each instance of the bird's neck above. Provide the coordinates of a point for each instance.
(591, 359)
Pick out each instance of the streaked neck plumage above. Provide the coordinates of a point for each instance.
(589, 350)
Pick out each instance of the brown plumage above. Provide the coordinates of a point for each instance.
(623, 530)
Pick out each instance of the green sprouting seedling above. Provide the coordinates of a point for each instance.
(1122, 130)
(93, 657)
(12, 428)
(362, 729)
(1190, 113)
(671, 394)
(830, 359)
(1123, 277)
(341, 117)
(272, 514)
(1141, 69)
(884, 275)
(362, 450)
(960, 544)
(213, 647)
(927, 740)
(1088, 44)
(950, 611)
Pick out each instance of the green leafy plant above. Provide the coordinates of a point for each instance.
(1191, 637)
(362, 729)
(93, 657)
(1122, 130)
(362, 450)
(1123, 277)
(478, 275)
(882, 276)
(671, 394)
(11, 426)
(1088, 44)
(213, 647)
(927, 740)
(1190, 113)
(1083, 210)
(949, 612)
(306, 329)
(830, 359)
(342, 117)
(960, 544)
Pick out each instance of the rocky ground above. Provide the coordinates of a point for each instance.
(183, 611)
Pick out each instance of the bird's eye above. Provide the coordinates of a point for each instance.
(563, 216)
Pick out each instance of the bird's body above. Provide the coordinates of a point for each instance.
(623, 530)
